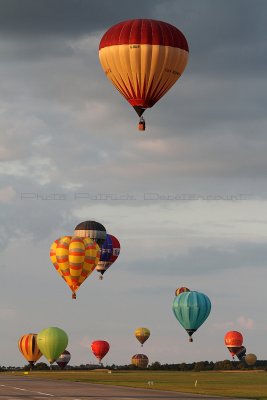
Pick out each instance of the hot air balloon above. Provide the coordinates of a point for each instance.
(181, 290)
(110, 251)
(233, 340)
(142, 334)
(52, 342)
(28, 347)
(241, 353)
(63, 359)
(74, 258)
(143, 58)
(191, 309)
(140, 360)
(100, 349)
(92, 229)
(251, 359)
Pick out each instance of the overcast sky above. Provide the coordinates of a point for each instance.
(186, 199)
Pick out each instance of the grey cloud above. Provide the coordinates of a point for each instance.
(201, 261)
(68, 17)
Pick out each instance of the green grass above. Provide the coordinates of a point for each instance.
(248, 384)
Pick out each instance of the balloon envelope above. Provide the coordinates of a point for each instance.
(140, 360)
(29, 349)
(52, 342)
(233, 340)
(191, 309)
(142, 334)
(109, 253)
(100, 348)
(92, 229)
(63, 359)
(74, 258)
(251, 359)
(181, 290)
(143, 58)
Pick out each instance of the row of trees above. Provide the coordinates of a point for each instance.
(195, 366)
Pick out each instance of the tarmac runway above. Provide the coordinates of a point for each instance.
(25, 387)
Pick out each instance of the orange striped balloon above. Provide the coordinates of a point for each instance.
(28, 347)
(74, 258)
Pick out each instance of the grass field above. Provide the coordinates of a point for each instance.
(246, 384)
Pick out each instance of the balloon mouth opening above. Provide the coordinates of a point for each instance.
(190, 333)
(138, 109)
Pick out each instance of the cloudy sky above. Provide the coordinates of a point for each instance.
(187, 199)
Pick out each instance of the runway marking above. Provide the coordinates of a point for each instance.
(45, 394)
(26, 390)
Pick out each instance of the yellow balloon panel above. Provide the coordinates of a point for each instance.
(143, 73)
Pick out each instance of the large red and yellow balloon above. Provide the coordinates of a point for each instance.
(143, 58)
(74, 258)
(29, 349)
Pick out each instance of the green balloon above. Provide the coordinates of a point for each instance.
(52, 342)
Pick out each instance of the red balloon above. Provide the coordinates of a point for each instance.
(233, 341)
(100, 348)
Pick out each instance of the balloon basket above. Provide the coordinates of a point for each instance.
(74, 295)
(190, 340)
(142, 124)
(101, 277)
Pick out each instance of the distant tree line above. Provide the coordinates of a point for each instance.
(225, 365)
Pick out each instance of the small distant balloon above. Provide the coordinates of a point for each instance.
(142, 334)
(251, 359)
(100, 348)
(92, 229)
(181, 290)
(140, 360)
(63, 359)
(233, 340)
